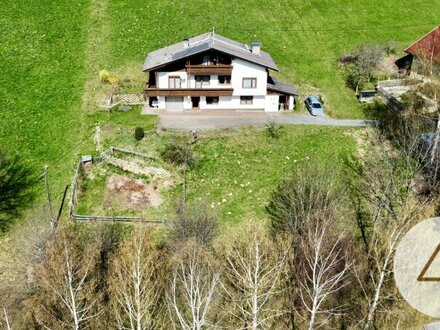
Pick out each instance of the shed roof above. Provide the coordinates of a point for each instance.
(428, 45)
(202, 43)
(274, 85)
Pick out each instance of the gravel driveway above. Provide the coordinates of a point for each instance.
(209, 120)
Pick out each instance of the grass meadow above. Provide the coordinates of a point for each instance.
(237, 169)
(51, 54)
(52, 51)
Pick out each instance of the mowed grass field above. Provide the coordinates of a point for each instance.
(305, 38)
(240, 169)
(51, 53)
(236, 169)
(41, 82)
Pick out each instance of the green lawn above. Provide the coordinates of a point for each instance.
(240, 169)
(41, 82)
(51, 53)
(237, 169)
(304, 37)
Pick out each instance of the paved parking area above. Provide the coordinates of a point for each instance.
(209, 120)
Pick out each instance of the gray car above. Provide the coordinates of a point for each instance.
(314, 106)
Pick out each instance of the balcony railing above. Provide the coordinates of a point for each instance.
(200, 69)
(154, 91)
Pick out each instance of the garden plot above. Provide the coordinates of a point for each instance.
(120, 185)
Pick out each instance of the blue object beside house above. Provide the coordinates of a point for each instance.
(314, 106)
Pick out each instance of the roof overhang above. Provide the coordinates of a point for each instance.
(279, 87)
(204, 43)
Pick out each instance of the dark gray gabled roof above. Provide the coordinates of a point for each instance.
(274, 85)
(203, 43)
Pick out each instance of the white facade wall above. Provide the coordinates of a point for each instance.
(233, 103)
(272, 104)
(187, 104)
(241, 69)
(161, 103)
(162, 78)
(291, 102)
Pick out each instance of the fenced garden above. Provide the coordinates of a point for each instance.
(120, 185)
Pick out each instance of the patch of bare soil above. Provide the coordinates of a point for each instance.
(126, 192)
(388, 64)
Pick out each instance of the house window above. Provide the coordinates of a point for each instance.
(174, 82)
(212, 100)
(249, 82)
(224, 80)
(202, 81)
(246, 99)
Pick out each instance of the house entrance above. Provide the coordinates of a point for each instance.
(283, 103)
(195, 102)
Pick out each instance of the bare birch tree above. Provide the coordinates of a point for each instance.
(388, 190)
(325, 265)
(66, 286)
(135, 281)
(193, 288)
(8, 325)
(253, 271)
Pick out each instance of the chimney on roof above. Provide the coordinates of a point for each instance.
(256, 47)
(185, 42)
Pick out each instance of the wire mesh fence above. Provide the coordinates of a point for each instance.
(100, 218)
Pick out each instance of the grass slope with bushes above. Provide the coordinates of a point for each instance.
(305, 38)
(51, 55)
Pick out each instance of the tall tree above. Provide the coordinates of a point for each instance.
(323, 269)
(386, 185)
(193, 221)
(253, 272)
(136, 281)
(193, 288)
(430, 88)
(366, 60)
(65, 283)
(310, 191)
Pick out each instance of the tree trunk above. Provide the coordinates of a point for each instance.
(434, 151)
(377, 291)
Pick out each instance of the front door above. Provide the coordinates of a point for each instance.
(283, 102)
(195, 102)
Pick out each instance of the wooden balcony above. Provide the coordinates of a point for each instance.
(200, 69)
(153, 91)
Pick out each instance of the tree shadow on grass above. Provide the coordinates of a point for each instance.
(377, 111)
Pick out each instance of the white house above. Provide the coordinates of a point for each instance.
(210, 72)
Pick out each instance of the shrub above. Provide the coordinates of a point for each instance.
(274, 130)
(194, 221)
(113, 80)
(412, 101)
(368, 58)
(347, 59)
(139, 133)
(104, 75)
(310, 193)
(179, 153)
(391, 47)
